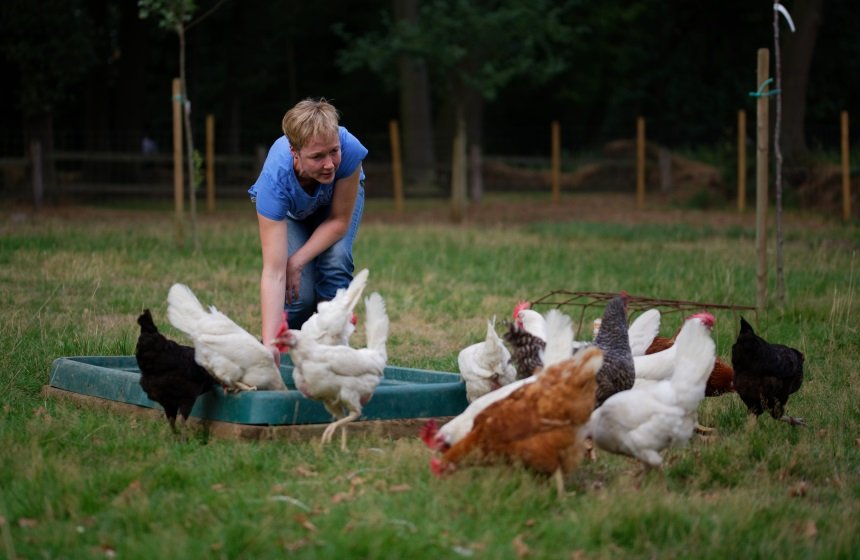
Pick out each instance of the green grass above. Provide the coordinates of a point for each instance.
(82, 482)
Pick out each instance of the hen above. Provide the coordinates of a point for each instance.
(343, 378)
(643, 421)
(527, 338)
(168, 373)
(617, 373)
(226, 350)
(485, 366)
(539, 424)
(766, 374)
(642, 331)
(720, 379)
(558, 348)
(334, 320)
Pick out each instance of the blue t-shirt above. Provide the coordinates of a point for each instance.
(277, 192)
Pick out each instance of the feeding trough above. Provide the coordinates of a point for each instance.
(404, 398)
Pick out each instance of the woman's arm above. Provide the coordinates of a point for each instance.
(328, 233)
(273, 280)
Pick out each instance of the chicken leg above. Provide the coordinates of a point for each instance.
(330, 429)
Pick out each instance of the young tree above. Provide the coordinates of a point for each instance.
(174, 15)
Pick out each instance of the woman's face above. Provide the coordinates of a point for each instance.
(318, 159)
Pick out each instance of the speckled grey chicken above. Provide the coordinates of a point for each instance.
(617, 373)
(526, 350)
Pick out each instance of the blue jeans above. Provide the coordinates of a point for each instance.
(330, 270)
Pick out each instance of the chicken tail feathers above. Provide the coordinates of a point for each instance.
(184, 310)
(377, 323)
(147, 325)
(559, 337)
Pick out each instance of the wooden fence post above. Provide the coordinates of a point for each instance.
(396, 165)
(761, 165)
(210, 163)
(178, 203)
(458, 172)
(846, 168)
(556, 161)
(742, 160)
(640, 162)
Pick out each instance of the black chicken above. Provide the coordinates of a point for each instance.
(168, 373)
(766, 374)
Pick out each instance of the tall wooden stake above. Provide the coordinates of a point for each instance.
(396, 165)
(37, 176)
(761, 163)
(742, 160)
(846, 168)
(556, 161)
(640, 162)
(178, 202)
(210, 163)
(458, 172)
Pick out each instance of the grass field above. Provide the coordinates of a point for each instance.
(78, 482)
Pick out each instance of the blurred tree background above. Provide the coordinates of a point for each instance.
(93, 75)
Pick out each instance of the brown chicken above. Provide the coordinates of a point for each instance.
(722, 376)
(538, 425)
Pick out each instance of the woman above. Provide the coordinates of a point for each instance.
(309, 198)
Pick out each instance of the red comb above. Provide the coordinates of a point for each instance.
(706, 318)
(282, 330)
(428, 433)
(354, 319)
(520, 306)
(437, 467)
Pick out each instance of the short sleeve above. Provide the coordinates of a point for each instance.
(352, 153)
(270, 192)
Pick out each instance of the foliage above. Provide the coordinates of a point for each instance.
(53, 45)
(171, 14)
(83, 481)
(484, 45)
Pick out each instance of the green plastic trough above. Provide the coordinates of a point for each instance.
(403, 393)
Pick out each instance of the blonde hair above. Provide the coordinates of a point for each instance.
(308, 119)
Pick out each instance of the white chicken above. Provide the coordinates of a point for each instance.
(643, 330)
(343, 378)
(651, 368)
(226, 350)
(485, 366)
(530, 320)
(334, 321)
(642, 422)
(559, 347)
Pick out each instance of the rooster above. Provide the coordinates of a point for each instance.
(227, 351)
(334, 321)
(527, 338)
(343, 378)
(539, 424)
(168, 373)
(766, 374)
(485, 366)
(643, 421)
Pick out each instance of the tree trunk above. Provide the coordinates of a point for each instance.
(797, 50)
(40, 128)
(419, 156)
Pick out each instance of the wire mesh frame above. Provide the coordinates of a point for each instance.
(587, 300)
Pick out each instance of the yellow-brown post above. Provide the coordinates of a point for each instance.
(458, 172)
(761, 167)
(742, 160)
(178, 203)
(556, 162)
(640, 162)
(210, 163)
(846, 168)
(396, 165)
